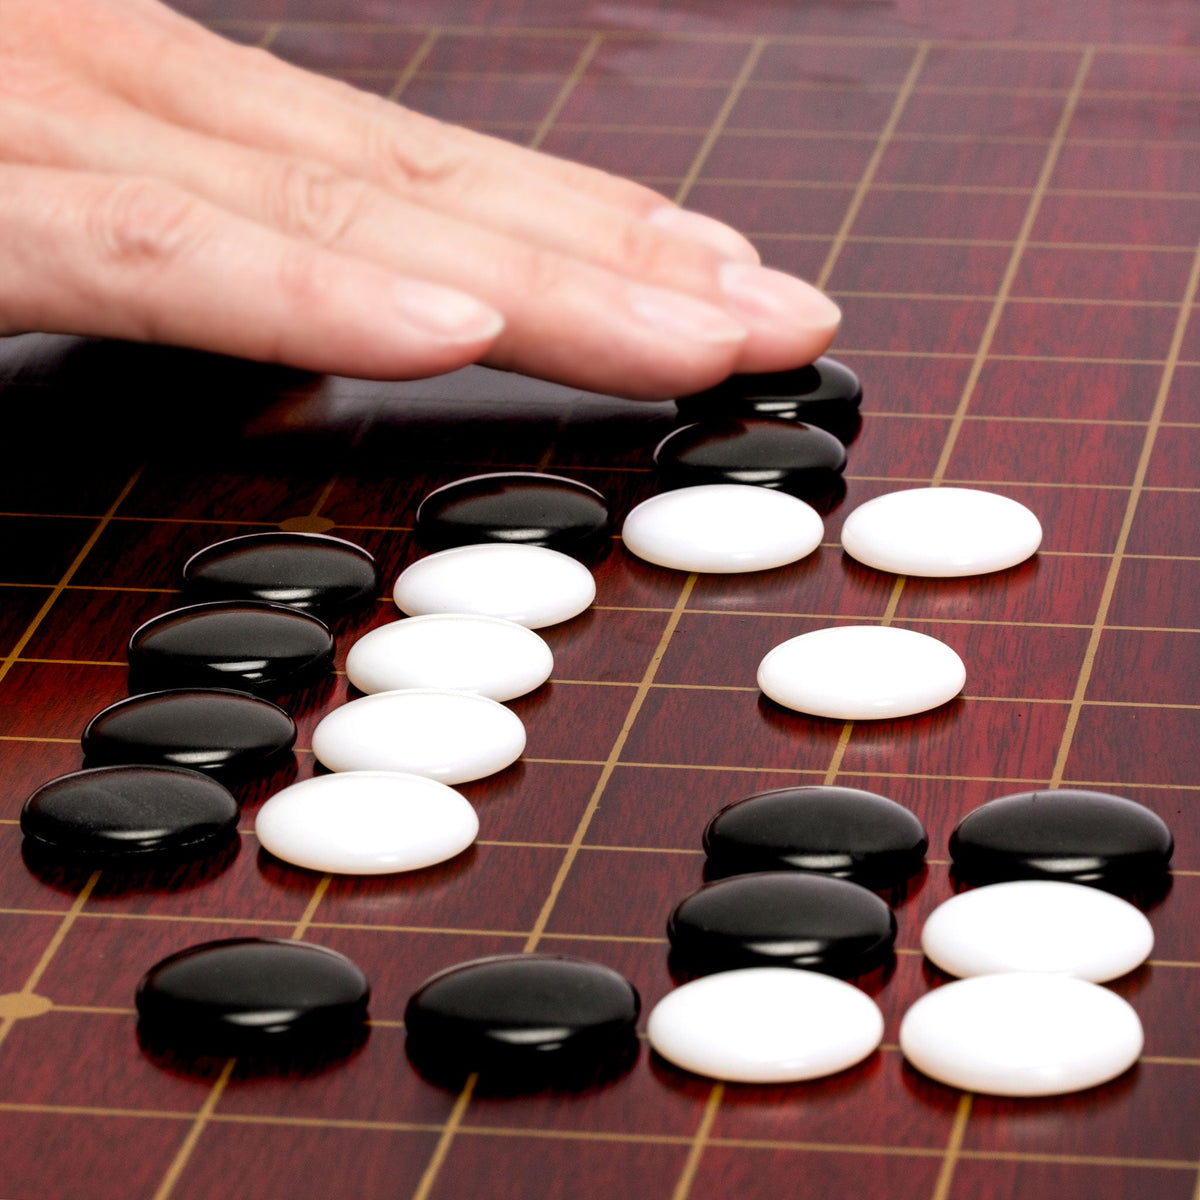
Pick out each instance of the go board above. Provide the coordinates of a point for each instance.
(1003, 199)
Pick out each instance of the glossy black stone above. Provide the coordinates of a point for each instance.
(523, 507)
(826, 394)
(1075, 836)
(522, 1013)
(209, 729)
(790, 456)
(114, 815)
(308, 571)
(783, 919)
(234, 644)
(247, 994)
(838, 831)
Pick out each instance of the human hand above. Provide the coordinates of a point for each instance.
(158, 183)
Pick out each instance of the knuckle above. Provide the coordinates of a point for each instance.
(31, 80)
(320, 208)
(415, 156)
(142, 223)
(542, 273)
(641, 251)
(302, 278)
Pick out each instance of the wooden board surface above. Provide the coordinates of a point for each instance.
(1008, 216)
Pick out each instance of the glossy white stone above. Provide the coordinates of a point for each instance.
(941, 532)
(722, 528)
(857, 672)
(1021, 1034)
(448, 736)
(366, 823)
(765, 1025)
(451, 651)
(531, 585)
(1038, 925)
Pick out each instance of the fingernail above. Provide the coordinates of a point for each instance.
(762, 293)
(699, 228)
(446, 314)
(678, 315)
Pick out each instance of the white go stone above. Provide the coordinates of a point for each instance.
(1037, 925)
(765, 1025)
(449, 736)
(530, 585)
(1021, 1034)
(366, 823)
(451, 651)
(861, 672)
(722, 528)
(941, 532)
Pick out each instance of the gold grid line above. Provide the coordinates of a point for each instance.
(1135, 492)
(962, 1115)
(414, 65)
(1056, 301)
(76, 908)
(717, 127)
(537, 32)
(207, 1110)
(266, 924)
(1014, 262)
(184, 1153)
(448, 1131)
(699, 1141)
(776, 768)
(868, 176)
(564, 93)
(824, 86)
(602, 1136)
(610, 764)
(980, 357)
(68, 575)
(572, 851)
(68, 919)
(914, 137)
(733, 688)
(538, 931)
(310, 909)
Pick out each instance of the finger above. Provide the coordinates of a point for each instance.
(246, 65)
(566, 320)
(143, 260)
(278, 108)
(632, 198)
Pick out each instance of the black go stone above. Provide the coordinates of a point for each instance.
(1070, 835)
(838, 831)
(522, 1015)
(234, 644)
(247, 995)
(792, 457)
(522, 507)
(826, 394)
(133, 815)
(782, 919)
(205, 729)
(312, 572)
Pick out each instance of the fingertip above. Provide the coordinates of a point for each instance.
(768, 296)
(446, 314)
(697, 227)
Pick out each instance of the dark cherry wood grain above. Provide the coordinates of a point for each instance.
(975, 147)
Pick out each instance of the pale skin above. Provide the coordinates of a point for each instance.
(158, 183)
